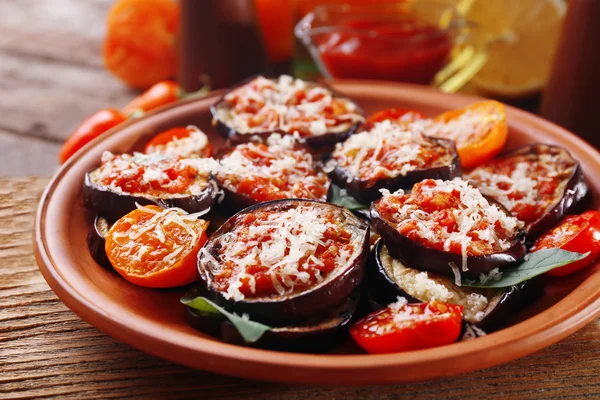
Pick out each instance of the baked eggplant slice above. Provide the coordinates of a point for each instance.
(123, 180)
(96, 241)
(488, 309)
(281, 168)
(315, 335)
(390, 156)
(285, 261)
(539, 184)
(448, 227)
(285, 105)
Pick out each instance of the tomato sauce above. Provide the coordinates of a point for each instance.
(403, 49)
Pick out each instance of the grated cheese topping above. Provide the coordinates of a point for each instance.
(450, 216)
(155, 174)
(389, 150)
(527, 184)
(287, 105)
(276, 170)
(280, 252)
(186, 147)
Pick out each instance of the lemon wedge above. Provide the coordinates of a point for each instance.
(521, 37)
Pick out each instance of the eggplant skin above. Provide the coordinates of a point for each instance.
(574, 200)
(318, 335)
(501, 305)
(320, 141)
(300, 307)
(113, 205)
(96, 241)
(415, 255)
(366, 191)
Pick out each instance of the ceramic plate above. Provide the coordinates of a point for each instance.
(154, 320)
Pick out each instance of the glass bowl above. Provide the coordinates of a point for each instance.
(403, 41)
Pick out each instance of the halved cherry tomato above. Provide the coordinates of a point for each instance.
(408, 327)
(93, 126)
(159, 94)
(578, 233)
(149, 249)
(480, 131)
(159, 141)
(397, 115)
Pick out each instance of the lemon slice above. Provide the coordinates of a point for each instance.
(521, 38)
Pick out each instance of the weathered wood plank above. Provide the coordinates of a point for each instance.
(27, 156)
(46, 350)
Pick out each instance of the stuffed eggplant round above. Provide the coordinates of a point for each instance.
(317, 334)
(286, 105)
(391, 156)
(123, 180)
(285, 261)
(448, 227)
(96, 240)
(489, 309)
(539, 184)
(255, 172)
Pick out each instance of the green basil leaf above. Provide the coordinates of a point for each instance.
(538, 262)
(340, 197)
(251, 331)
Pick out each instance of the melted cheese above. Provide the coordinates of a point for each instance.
(274, 103)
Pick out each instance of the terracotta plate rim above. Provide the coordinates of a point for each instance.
(571, 313)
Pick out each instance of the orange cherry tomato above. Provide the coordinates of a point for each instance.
(480, 131)
(578, 233)
(159, 94)
(149, 249)
(396, 115)
(140, 41)
(93, 126)
(408, 327)
(159, 142)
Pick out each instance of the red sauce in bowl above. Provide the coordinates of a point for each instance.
(402, 49)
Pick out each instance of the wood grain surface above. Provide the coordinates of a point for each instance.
(47, 351)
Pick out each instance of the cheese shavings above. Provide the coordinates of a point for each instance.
(526, 184)
(286, 105)
(389, 150)
(277, 170)
(451, 216)
(285, 251)
(189, 146)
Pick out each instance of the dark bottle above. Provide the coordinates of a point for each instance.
(219, 43)
(572, 97)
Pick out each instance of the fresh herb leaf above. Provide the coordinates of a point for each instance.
(538, 262)
(251, 331)
(341, 197)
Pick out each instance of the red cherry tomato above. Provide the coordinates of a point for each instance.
(578, 233)
(408, 327)
(92, 127)
(396, 115)
(159, 141)
(159, 94)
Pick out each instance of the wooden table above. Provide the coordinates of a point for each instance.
(46, 350)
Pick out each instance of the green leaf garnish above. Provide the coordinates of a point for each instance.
(538, 262)
(250, 331)
(341, 197)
